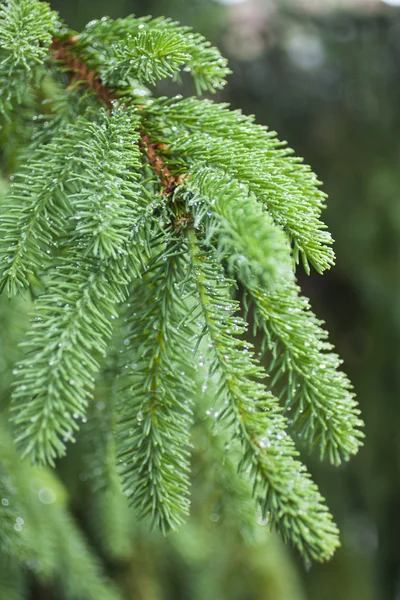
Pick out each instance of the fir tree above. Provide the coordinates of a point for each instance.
(145, 229)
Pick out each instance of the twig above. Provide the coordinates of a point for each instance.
(80, 74)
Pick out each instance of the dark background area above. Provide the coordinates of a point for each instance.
(329, 82)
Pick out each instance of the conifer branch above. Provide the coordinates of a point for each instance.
(45, 537)
(97, 437)
(112, 522)
(217, 457)
(80, 73)
(109, 204)
(26, 31)
(210, 134)
(252, 245)
(318, 395)
(152, 150)
(37, 209)
(65, 52)
(10, 542)
(72, 323)
(282, 486)
(78, 567)
(138, 48)
(95, 198)
(32, 216)
(155, 413)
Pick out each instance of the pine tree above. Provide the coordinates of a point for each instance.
(145, 232)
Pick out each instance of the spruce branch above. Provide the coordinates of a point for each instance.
(318, 395)
(46, 538)
(112, 522)
(215, 460)
(70, 329)
(34, 213)
(95, 197)
(156, 392)
(79, 570)
(201, 132)
(63, 52)
(282, 485)
(27, 28)
(30, 218)
(81, 74)
(97, 438)
(153, 54)
(152, 151)
(252, 245)
(26, 31)
(10, 542)
(149, 49)
(108, 204)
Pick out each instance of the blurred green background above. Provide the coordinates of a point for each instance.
(326, 76)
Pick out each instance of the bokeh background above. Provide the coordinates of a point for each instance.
(326, 75)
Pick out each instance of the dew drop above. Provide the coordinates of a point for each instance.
(47, 496)
(214, 517)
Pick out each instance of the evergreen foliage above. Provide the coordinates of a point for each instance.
(155, 412)
(26, 32)
(281, 486)
(147, 50)
(45, 541)
(131, 220)
(200, 131)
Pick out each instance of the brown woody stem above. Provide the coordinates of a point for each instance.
(80, 74)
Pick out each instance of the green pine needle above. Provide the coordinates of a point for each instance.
(27, 28)
(108, 203)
